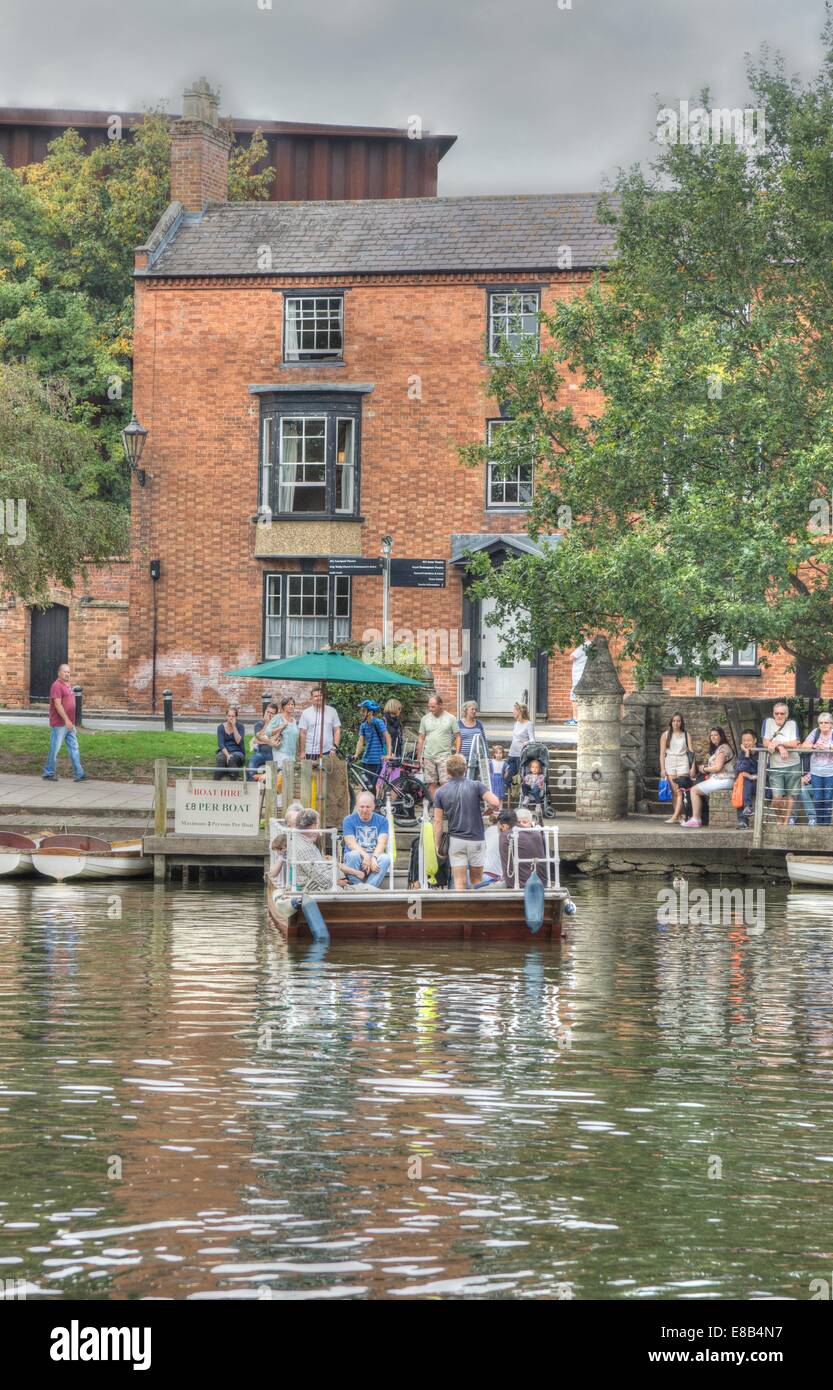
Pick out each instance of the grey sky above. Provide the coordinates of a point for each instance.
(541, 98)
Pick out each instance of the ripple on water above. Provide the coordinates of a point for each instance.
(639, 1111)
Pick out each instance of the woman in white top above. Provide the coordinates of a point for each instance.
(522, 734)
(674, 749)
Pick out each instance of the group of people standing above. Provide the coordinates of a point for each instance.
(281, 736)
(797, 767)
(441, 736)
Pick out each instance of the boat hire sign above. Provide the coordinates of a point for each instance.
(216, 808)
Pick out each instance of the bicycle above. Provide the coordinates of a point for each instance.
(405, 791)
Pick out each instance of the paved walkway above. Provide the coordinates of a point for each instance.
(115, 725)
(35, 794)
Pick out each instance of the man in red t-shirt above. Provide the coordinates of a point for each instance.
(62, 726)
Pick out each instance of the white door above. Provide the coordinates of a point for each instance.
(500, 686)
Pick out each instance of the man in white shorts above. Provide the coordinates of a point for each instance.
(460, 800)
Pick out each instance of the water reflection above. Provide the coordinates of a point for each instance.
(189, 1108)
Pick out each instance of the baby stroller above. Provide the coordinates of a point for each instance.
(540, 806)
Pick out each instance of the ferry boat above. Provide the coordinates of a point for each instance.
(412, 913)
(87, 856)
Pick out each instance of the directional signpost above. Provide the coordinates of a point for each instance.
(417, 574)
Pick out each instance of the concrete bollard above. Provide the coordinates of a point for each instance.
(168, 709)
(78, 692)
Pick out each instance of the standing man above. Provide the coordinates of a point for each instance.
(319, 728)
(460, 799)
(780, 739)
(366, 840)
(62, 727)
(439, 737)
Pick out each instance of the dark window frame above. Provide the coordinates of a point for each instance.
(505, 508)
(284, 576)
(491, 291)
(314, 358)
(333, 406)
(728, 668)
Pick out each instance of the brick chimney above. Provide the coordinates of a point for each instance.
(199, 150)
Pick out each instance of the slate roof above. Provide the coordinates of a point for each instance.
(394, 235)
(463, 544)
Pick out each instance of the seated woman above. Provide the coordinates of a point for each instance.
(719, 774)
(231, 747)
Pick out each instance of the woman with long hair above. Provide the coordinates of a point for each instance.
(675, 762)
(718, 771)
(522, 734)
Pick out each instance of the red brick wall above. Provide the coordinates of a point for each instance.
(199, 164)
(199, 345)
(198, 348)
(98, 639)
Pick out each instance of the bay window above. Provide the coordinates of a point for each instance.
(309, 456)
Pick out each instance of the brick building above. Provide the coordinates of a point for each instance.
(306, 372)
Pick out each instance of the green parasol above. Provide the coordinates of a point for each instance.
(324, 666)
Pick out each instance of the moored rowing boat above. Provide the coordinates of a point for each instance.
(811, 868)
(15, 853)
(87, 856)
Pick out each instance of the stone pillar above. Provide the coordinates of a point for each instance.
(601, 778)
(642, 719)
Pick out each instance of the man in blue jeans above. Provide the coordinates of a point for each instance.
(62, 727)
(366, 840)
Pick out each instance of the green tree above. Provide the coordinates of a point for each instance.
(51, 526)
(693, 503)
(68, 230)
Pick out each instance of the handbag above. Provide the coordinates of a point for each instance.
(665, 793)
(738, 795)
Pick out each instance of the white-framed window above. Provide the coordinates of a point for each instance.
(313, 327)
(272, 617)
(345, 465)
(508, 486)
(728, 658)
(302, 480)
(266, 466)
(304, 612)
(513, 319)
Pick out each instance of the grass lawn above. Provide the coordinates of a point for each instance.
(119, 757)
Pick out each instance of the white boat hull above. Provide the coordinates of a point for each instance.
(811, 868)
(14, 863)
(106, 865)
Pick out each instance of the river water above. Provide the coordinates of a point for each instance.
(191, 1109)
